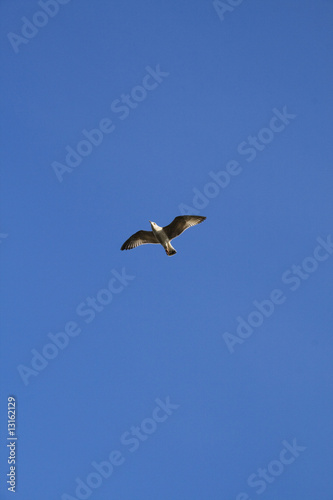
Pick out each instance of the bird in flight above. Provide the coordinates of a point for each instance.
(163, 235)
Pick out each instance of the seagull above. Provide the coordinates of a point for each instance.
(163, 235)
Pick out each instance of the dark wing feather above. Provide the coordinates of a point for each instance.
(180, 223)
(139, 238)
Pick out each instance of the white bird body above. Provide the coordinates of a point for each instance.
(162, 237)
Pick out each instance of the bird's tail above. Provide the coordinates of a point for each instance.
(170, 250)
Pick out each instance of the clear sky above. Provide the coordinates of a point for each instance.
(208, 374)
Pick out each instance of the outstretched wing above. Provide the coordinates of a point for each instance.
(139, 238)
(180, 223)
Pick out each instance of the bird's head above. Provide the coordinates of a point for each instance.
(153, 224)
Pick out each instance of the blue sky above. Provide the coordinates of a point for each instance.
(136, 375)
